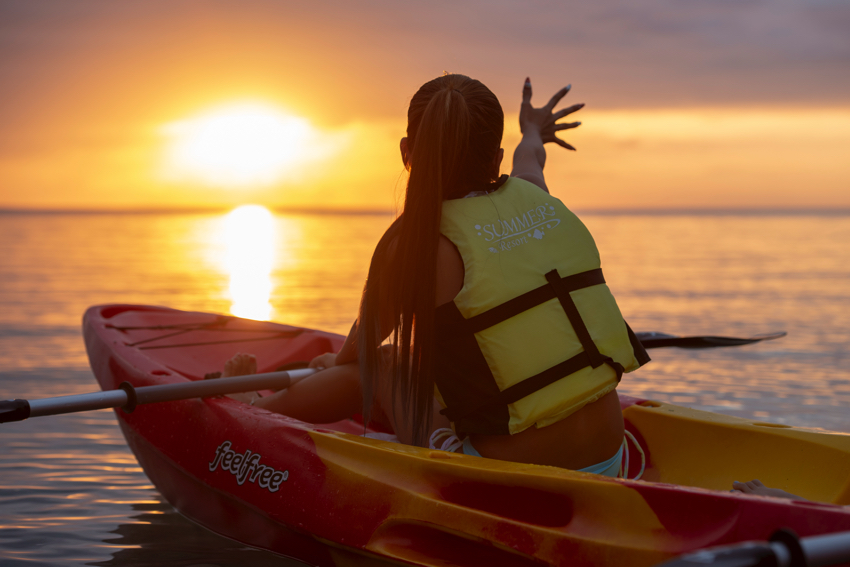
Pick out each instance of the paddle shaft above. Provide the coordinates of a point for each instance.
(830, 549)
(128, 397)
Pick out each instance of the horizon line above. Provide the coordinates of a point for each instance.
(691, 211)
(183, 210)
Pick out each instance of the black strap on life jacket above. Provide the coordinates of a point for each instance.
(590, 356)
(533, 298)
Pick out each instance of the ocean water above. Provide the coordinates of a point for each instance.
(71, 493)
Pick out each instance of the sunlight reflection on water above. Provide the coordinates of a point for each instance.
(250, 237)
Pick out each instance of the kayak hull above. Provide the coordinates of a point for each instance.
(325, 495)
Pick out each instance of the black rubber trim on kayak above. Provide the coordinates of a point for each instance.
(218, 322)
(533, 298)
(216, 325)
(14, 410)
(161, 337)
(212, 329)
(791, 541)
(132, 398)
(276, 336)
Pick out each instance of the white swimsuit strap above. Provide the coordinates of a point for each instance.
(624, 466)
(450, 443)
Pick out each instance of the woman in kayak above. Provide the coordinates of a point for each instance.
(501, 326)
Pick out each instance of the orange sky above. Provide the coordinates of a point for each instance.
(720, 105)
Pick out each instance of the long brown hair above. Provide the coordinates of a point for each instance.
(454, 130)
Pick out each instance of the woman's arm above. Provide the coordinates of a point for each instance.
(348, 352)
(538, 127)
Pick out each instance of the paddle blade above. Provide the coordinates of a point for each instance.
(659, 340)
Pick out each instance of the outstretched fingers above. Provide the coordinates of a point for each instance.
(562, 143)
(567, 111)
(567, 126)
(556, 98)
(544, 119)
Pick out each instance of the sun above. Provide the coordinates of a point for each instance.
(238, 145)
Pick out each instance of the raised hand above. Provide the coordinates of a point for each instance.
(544, 120)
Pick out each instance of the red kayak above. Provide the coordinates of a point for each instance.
(326, 495)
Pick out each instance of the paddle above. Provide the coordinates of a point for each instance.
(784, 549)
(128, 397)
(658, 340)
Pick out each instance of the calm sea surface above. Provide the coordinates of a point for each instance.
(71, 493)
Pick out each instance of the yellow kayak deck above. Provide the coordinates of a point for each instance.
(690, 447)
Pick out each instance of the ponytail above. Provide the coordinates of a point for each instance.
(446, 127)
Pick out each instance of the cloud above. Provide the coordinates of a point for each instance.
(649, 52)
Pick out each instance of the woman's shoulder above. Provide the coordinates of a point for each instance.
(449, 264)
(533, 179)
(387, 244)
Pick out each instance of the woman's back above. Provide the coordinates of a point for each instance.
(586, 437)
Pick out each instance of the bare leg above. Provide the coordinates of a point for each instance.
(757, 488)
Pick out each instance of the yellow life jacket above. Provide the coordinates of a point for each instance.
(534, 334)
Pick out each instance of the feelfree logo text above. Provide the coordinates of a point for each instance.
(246, 467)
